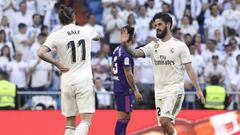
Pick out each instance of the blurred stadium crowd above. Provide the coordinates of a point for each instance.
(210, 28)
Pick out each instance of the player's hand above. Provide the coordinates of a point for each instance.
(124, 35)
(138, 96)
(62, 68)
(200, 96)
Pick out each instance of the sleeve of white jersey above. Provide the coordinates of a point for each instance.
(50, 42)
(93, 33)
(147, 49)
(185, 54)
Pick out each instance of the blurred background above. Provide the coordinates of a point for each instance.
(210, 28)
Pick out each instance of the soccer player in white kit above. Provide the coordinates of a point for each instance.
(170, 57)
(73, 43)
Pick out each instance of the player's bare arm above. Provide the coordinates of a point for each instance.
(128, 47)
(43, 53)
(192, 76)
(132, 84)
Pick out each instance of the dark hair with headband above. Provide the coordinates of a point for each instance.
(66, 14)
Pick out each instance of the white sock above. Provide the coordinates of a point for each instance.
(82, 128)
(175, 132)
(69, 130)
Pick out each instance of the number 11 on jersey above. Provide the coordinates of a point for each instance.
(71, 45)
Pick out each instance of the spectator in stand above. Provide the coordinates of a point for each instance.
(210, 51)
(194, 7)
(235, 79)
(186, 26)
(18, 71)
(214, 69)
(51, 18)
(31, 6)
(197, 41)
(5, 57)
(44, 29)
(142, 26)
(151, 32)
(4, 42)
(131, 21)
(128, 10)
(188, 39)
(99, 29)
(101, 64)
(41, 75)
(113, 28)
(5, 26)
(232, 34)
(231, 17)
(35, 29)
(23, 42)
(151, 10)
(187, 12)
(214, 22)
(103, 96)
(177, 33)
(228, 62)
(219, 40)
(40, 40)
(166, 8)
(235, 47)
(22, 16)
(9, 9)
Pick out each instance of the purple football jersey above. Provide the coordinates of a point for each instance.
(121, 59)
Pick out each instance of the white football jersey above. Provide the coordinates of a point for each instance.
(168, 60)
(74, 46)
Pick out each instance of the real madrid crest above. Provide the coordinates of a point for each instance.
(156, 46)
(171, 50)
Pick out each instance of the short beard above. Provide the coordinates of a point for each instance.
(162, 34)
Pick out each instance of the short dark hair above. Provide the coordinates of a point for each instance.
(21, 25)
(34, 15)
(215, 57)
(165, 17)
(42, 35)
(44, 27)
(130, 32)
(4, 75)
(214, 80)
(66, 14)
(175, 29)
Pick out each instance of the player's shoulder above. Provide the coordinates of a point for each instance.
(178, 42)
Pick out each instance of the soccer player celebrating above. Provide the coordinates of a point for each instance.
(170, 57)
(124, 85)
(74, 46)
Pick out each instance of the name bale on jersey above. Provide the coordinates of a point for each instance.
(73, 32)
(164, 61)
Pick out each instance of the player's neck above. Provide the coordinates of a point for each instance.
(167, 37)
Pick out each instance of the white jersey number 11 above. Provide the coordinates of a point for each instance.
(71, 45)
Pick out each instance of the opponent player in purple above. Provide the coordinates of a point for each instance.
(125, 88)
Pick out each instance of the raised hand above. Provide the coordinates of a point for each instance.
(124, 35)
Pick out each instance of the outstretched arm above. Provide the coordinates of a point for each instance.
(128, 46)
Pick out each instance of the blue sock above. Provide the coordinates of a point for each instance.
(121, 127)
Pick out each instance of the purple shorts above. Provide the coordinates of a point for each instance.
(124, 103)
